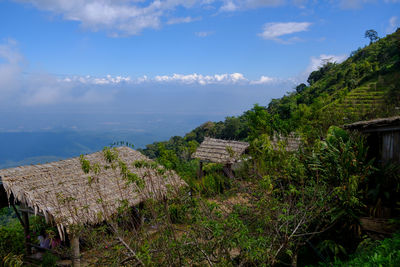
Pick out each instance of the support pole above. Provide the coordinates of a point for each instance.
(25, 220)
(76, 257)
(200, 173)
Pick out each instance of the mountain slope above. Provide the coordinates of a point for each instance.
(365, 86)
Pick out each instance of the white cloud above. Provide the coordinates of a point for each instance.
(234, 5)
(229, 6)
(317, 62)
(10, 68)
(115, 16)
(182, 20)
(194, 78)
(131, 17)
(97, 80)
(202, 79)
(22, 88)
(203, 34)
(263, 80)
(394, 23)
(274, 30)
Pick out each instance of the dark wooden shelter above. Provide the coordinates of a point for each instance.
(226, 152)
(383, 137)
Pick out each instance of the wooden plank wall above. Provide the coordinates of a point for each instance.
(391, 146)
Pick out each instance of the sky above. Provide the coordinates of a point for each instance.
(167, 65)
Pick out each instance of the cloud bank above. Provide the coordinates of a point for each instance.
(173, 93)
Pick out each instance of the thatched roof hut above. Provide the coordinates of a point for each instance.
(220, 151)
(67, 195)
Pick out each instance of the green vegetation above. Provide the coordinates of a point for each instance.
(283, 208)
(378, 253)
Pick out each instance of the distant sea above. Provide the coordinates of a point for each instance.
(29, 146)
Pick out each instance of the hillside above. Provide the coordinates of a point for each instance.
(365, 86)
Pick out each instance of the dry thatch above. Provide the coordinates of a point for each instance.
(220, 151)
(291, 142)
(67, 195)
(392, 122)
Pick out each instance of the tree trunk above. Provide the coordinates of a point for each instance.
(200, 172)
(76, 257)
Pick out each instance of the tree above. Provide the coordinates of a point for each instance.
(372, 35)
(301, 87)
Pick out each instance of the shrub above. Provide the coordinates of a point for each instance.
(379, 253)
(11, 238)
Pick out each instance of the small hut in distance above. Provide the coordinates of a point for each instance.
(221, 151)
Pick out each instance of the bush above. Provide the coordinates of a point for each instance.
(11, 238)
(380, 253)
(49, 260)
(177, 213)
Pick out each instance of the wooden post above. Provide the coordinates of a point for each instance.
(76, 257)
(200, 173)
(25, 220)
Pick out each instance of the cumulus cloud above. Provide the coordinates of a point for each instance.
(131, 17)
(117, 17)
(274, 30)
(202, 79)
(184, 79)
(97, 80)
(394, 23)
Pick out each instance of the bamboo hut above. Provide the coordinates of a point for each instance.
(68, 196)
(383, 137)
(221, 151)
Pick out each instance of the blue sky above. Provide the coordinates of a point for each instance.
(212, 58)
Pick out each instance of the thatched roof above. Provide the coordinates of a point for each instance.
(220, 151)
(64, 193)
(291, 142)
(391, 123)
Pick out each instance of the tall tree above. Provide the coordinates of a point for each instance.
(372, 35)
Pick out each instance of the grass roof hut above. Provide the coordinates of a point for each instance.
(226, 152)
(86, 190)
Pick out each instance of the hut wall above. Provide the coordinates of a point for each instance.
(391, 146)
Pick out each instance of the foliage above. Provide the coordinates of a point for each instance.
(379, 253)
(49, 260)
(372, 35)
(12, 260)
(11, 238)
